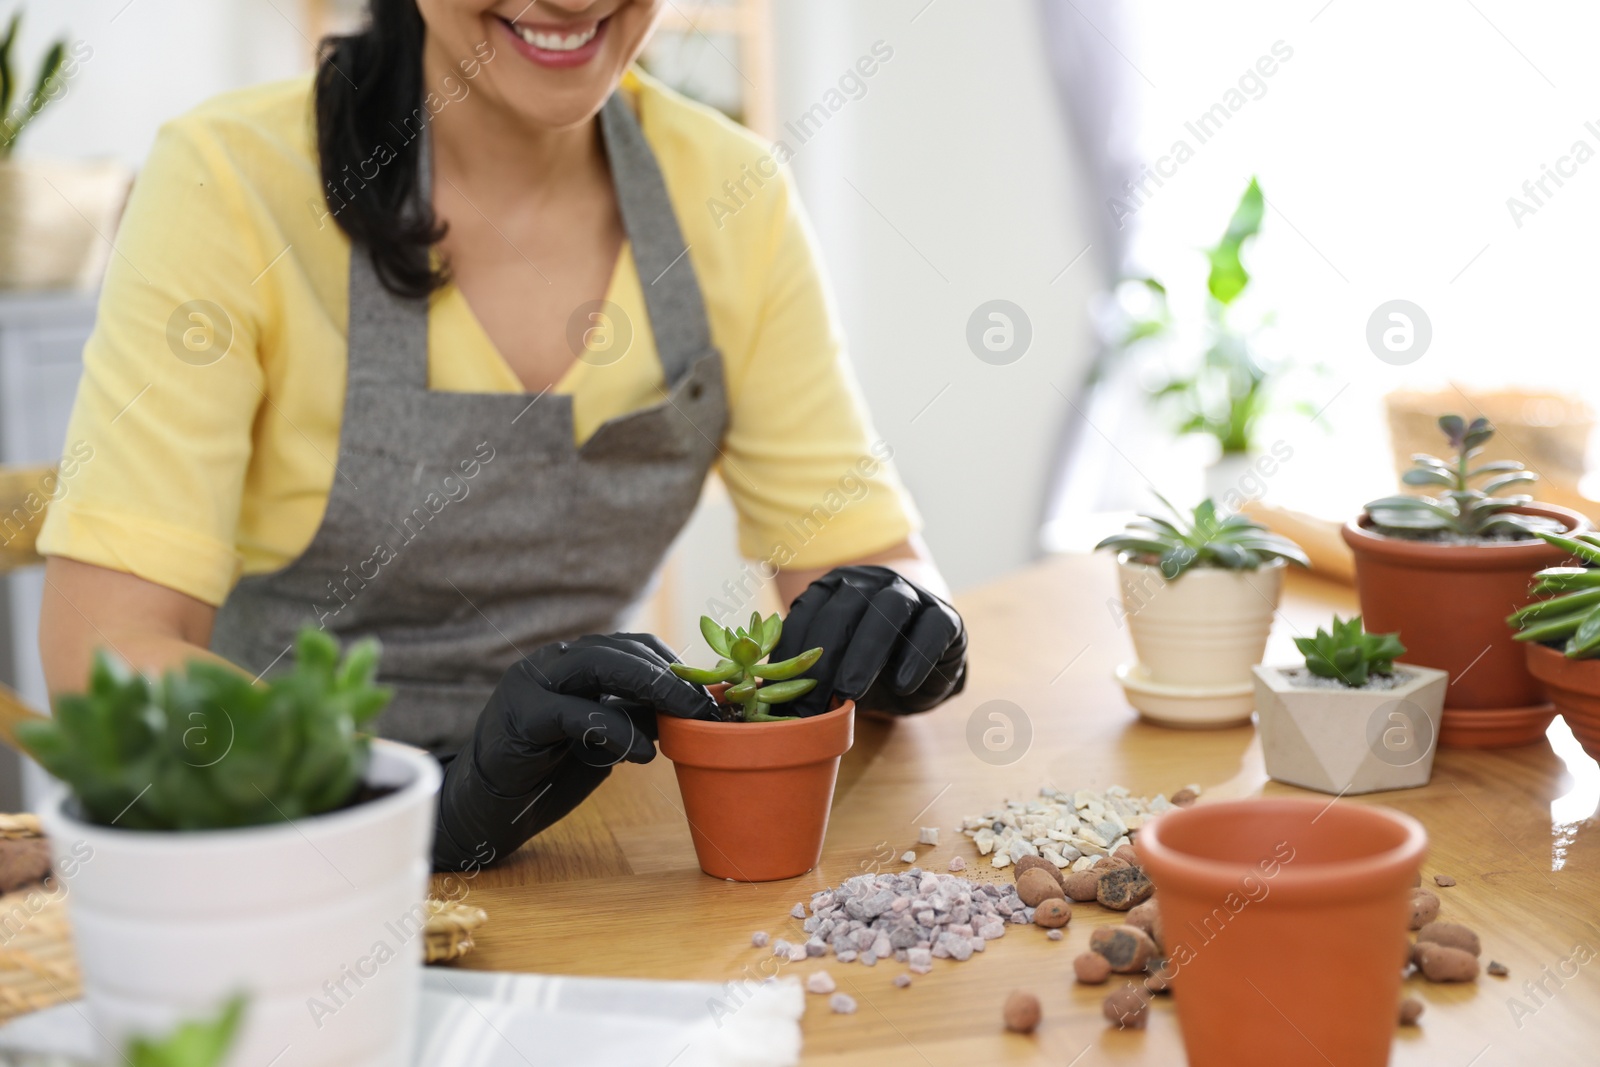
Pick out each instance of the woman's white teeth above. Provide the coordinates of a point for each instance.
(556, 42)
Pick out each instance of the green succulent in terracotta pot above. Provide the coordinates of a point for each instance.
(754, 687)
(1466, 508)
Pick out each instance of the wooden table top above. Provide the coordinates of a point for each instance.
(614, 889)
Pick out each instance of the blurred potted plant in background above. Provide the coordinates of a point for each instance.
(1224, 392)
(55, 215)
(1442, 570)
(1198, 593)
(1562, 634)
(244, 837)
(1350, 720)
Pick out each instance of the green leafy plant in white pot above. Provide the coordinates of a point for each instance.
(52, 212)
(219, 835)
(1198, 593)
(1351, 719)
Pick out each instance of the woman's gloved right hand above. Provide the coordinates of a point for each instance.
(554, 727)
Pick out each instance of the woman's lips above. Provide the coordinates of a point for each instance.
(553, 45)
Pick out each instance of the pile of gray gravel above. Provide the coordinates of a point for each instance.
(915, 916)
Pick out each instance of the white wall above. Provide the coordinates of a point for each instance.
(949, 183)
(151, 60)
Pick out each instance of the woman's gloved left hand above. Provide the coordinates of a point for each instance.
(887, 643)
(557, 723)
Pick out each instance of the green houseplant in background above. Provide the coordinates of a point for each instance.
(1225, 390)
(1561, 632)
(757, 787)
(52, 212)
(1442, 568)
(1350, 719)
(259, 836)
(1198, 593)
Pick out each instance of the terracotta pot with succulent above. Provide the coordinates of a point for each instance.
(1561, 632)
(52, 212)
(757, 787)
(1198, 594)
(1442, 570)
(1351, 720)
(219, 835)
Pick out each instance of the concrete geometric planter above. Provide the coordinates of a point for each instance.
(1347, 741)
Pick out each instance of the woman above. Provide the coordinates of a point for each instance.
(439, 345)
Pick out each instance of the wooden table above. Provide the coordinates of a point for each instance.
(614, 889)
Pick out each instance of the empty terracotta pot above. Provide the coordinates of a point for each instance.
(1574, 687)
(1449, 604)
(757, 794)
(1284, 927)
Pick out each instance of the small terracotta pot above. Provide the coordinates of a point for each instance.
(1574, 686)
(1284, 924)
(1449, 604)
(757, 794)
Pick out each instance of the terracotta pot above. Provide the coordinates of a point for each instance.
(1574, 686)
(1196, 638)
(1346, 741)
(757, 794)
(1284, 925)
(1449, 604)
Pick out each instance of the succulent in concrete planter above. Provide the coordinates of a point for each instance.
(757, 787)
(219, 835)
(1351, 720)
(1561, 632)
(1198, 594)
(1442, 570)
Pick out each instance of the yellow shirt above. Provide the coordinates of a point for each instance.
(204, 468)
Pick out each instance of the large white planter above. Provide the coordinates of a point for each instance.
(318, 921)
(1196, 638)
(1345, 741)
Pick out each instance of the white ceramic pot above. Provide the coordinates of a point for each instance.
(1346, 741)
(317, 921)
(55, 217)
(1205, 628)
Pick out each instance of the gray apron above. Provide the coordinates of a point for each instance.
(466, 529)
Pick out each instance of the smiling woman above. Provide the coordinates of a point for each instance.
(519, 287)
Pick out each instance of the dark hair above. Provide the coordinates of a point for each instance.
(369, 134)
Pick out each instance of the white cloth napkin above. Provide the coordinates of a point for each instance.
(489, 1019)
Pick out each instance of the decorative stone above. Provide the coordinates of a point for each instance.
(820, 982)
(908, 857)
(759, 939)
(1123, 888)
(842, 1004)
(958, 864)
(798, 911)
(902, 981)
(1443, 880)
(927, 835)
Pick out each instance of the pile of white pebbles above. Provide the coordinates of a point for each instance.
(1067, 829)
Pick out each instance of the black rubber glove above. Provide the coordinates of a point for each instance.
(556, 724)
(887, 643)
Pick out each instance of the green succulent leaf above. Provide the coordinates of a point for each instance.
(1202, 538)
(788, 668)
(745, 652)
(705, 676)
(1347, 653)
(716, 636)
(192, 1044)
(771, 630)
(783, 692)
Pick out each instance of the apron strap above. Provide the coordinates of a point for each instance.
(671, 289)
(388, 336)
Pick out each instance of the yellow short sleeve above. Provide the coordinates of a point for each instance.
(171, 384)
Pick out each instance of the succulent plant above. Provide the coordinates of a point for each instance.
(1348, 653)
(1461, 510)
(1202, 539)
(206, 748)
(742, 651)
(13, 121)
(1569, 616)
(192, 1044)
